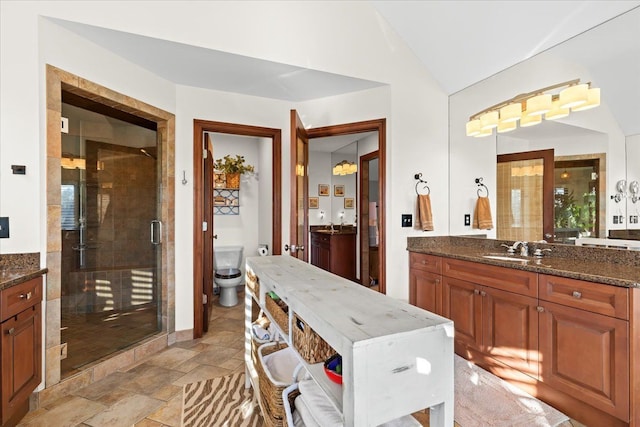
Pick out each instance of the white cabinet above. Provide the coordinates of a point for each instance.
(396, 358)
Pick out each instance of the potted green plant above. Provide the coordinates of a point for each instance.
(232, 167)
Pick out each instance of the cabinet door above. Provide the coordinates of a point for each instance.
(425, 290)
(510, 329)
(462, 303)
(585, 355)
(20, 359)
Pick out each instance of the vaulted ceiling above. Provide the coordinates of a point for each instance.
(459, 42)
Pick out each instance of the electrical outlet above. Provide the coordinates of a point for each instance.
(407, 220)
(4, 227)
(467, 219)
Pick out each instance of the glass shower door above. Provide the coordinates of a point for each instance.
(111, 237)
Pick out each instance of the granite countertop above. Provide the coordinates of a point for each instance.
(19, 268)
(609, 266)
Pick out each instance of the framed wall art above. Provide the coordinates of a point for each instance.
(338, 190)
(313, 203)
(323, 189)
(348, 202)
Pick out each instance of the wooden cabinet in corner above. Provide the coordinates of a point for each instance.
(20, 348)
(334, 252)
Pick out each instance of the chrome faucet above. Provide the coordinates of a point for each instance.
(524, 248)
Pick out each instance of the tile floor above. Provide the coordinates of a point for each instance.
(149, 394)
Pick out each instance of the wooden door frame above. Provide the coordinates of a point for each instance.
(376, 125)
(199, 127)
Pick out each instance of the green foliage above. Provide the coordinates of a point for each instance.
(568, 213)
(229, 164)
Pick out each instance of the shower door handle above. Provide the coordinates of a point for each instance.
(156, 232)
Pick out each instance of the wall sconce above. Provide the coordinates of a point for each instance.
(621, 189)
(529, 108)
(345, 168)
(321, 214)
(634, 189)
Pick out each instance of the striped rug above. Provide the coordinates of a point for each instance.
(220, 402)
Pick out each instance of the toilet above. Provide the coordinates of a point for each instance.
(228, 274)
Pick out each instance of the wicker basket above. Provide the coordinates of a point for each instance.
(270, 390)
(253, 283)
(310, 345)
(233, 180)
(279, 311)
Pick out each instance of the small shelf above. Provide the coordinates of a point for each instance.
(226, 201)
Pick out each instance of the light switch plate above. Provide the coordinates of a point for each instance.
(467, 219)
(4, 227)
(407, 220)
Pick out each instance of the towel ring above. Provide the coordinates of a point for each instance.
(481, 188)
(418, 176)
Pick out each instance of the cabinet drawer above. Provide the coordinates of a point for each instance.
(594, 297)
(17, 298)
(424, 262)
(506, 279)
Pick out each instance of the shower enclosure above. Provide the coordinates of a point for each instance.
(110, 233)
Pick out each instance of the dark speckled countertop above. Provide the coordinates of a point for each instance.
(610, 266)
(19, 268)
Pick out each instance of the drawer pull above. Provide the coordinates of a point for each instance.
(477, 292)
(27, 296)
(540, 309)
(11, 331)
(483, 293)
(576, 294)
(424, 262)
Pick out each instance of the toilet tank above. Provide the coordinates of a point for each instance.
(227, 257)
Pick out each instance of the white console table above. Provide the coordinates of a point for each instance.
(396, 358)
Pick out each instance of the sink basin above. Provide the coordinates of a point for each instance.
(505, 258)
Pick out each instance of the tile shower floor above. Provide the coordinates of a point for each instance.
(150, 392)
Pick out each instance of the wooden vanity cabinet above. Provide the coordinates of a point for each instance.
(584, 342)
(335, 253)
(492, 324)
(20, 348)
(425, 282)
(576, 342)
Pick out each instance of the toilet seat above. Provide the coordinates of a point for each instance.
(228, 273)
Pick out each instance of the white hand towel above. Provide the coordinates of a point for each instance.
(260, 332)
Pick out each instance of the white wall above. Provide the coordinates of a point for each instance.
(633, 174)
(320, 173)
(289, 32)
(242, 229)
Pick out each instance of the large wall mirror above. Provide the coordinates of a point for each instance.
(596, 152)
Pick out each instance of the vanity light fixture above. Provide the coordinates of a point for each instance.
(345, 168)
(552, 103)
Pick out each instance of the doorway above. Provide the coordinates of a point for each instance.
(103, 163)
(368, 213)
(578, 195)
(299, 182)
(110, 233)
(525, 196)
(203, 235)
